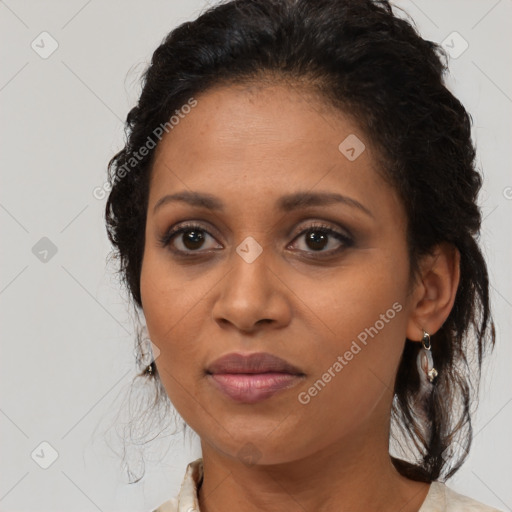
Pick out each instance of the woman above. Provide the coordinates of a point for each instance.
(295, 215)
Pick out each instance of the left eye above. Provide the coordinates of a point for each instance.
(317, 238)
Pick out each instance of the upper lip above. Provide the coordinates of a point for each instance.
(259, 362)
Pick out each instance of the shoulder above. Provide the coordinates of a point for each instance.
(442, 498)
(187, 499)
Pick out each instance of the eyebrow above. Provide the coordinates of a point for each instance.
(286, 203)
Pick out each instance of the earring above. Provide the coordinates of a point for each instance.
(425, 362)
(146, 354)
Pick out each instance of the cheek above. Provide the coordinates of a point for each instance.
(175, 313)
(360, 338)
(173, 307)
(354, 368)
(358, 301)
(167, 296)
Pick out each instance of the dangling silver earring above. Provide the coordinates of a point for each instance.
(425, 361)
(147, 357)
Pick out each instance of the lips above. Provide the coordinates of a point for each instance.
(260, 362)
(254, 377)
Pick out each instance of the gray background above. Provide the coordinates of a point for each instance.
(67, 344)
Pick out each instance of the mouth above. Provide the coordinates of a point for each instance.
(254, 377)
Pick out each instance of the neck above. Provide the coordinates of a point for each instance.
(348, 476)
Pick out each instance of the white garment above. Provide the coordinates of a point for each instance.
(440, 497)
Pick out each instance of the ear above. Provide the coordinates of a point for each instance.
(434, 291)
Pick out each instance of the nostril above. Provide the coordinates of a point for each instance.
(264, 320)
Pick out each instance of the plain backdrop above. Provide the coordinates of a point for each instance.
(67, 334)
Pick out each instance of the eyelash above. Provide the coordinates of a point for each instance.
(168, 236)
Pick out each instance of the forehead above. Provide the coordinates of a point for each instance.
(269, 139)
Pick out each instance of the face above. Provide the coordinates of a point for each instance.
(321, 283)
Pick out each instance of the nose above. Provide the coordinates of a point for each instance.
(252, 295)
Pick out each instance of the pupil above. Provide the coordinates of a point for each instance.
(193, 239)
(317, 238)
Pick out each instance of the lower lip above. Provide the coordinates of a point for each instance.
(255, 387)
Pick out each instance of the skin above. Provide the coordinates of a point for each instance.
(248, 146)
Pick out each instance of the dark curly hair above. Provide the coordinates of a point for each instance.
(363, 59)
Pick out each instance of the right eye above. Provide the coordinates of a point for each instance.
(186, 238)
